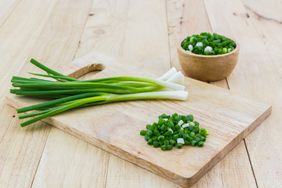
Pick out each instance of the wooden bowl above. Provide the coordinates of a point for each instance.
(208, 67)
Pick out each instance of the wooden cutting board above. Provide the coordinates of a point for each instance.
(115, 127)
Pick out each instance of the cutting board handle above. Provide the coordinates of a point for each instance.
(77, 71)
(99, 62)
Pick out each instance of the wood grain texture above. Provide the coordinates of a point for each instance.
(104, 28)
(183, 21)
(21, 150)
(104, 36)
(260, 26)
(6, 8)
(59, 166)
(228, 121)
(257, 23)
(143, 34)
(15, 38)
(124, 174)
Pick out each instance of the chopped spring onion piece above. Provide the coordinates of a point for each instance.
(199, 44)
(208, 50)
(180, 122)
(190, 47)
(191, 124)
(185, 125)
(69, 93)
(180, 141)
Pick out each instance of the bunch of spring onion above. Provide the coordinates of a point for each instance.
(66, 93)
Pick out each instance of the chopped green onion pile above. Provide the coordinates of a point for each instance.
(174, 131)
(208, 44)
(66, 93)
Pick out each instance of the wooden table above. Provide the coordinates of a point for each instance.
(144, 33)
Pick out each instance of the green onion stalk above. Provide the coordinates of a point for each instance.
(67, 93)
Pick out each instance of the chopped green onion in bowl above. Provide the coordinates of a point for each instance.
(174, 131)
(208, 44)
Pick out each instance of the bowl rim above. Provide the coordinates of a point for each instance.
(186, 52)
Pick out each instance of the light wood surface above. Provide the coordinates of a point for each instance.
(110, 28)
(229, 118)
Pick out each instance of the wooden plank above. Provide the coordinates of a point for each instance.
(266, 21)
(58, 42)
(104, 32)
(229, 121)
(19, 170)
(15, 37)
(230, 172)
(258, 75)
(78, 156)
(6, 8)
(20, 151)
(227, 173)
(5, 111)
(124, 174)
(182, 21)
(71, 162)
